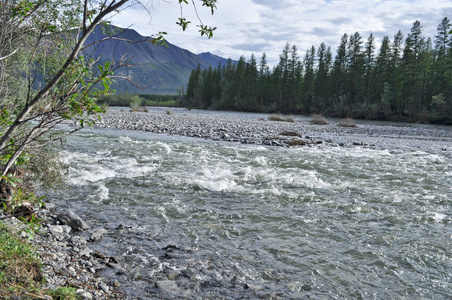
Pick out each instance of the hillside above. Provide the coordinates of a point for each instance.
(154, 69)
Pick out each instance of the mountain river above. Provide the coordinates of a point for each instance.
(231, 221)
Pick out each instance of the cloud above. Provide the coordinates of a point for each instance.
(256, 26)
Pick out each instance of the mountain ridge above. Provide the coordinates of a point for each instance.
(154, 69)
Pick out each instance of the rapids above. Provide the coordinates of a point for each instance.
(227, 221)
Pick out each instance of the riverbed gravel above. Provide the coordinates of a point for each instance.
(262, 131)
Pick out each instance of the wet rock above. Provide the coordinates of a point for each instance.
(74, 221)
(173, 275)
(167, 286)
(97, 235)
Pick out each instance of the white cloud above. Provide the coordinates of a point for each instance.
(256, 26)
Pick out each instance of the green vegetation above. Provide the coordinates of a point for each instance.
(406, 79)
(126, 100)
(64, 293)
(20, 271)
(20, 267)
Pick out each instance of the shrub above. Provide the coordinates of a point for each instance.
(135, 102)
(348, 122)
(281, 118)
(318, 120)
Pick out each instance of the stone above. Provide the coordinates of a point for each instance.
(74, 221)
(86, 296)
(104, 288)
(66, 228)
(85, 252)
(49, 206)
(78, 240)
(173, 275)
(167, 286)
(56, 230)
(97, 235)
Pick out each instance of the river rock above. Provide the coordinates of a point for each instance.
(167, 286)
(97, 235)
(56, 230)
(73, 220)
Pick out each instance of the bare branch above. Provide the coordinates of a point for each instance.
(9, 55)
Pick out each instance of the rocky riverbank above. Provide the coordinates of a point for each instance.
(64, 245)
(259, 130)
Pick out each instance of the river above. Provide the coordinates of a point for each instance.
(233, 221)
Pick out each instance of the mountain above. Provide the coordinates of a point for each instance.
(154, 69)
(213, 59)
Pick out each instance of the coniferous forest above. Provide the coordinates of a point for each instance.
(406, 78)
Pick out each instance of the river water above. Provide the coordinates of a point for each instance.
(233, 221)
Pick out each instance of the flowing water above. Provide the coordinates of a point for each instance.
(318, 222)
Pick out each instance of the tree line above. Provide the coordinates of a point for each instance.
(406, 79)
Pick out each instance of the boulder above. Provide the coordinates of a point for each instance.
(71, 219)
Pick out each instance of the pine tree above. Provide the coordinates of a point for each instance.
(294, 69)
(309, 104)
(340, 73)
(263, 82)
(382, 74)
(355, 61)
(412, 83)
(321, 84)
(396, 73)
(441, 63)
(369, 65)
(193, 87)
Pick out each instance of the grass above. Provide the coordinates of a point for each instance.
(20, 271)
(20, 267)
(318, 120)
(64, 293)
(348, 122)
(281, 118)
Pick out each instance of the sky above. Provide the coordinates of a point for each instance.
(245, 27)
